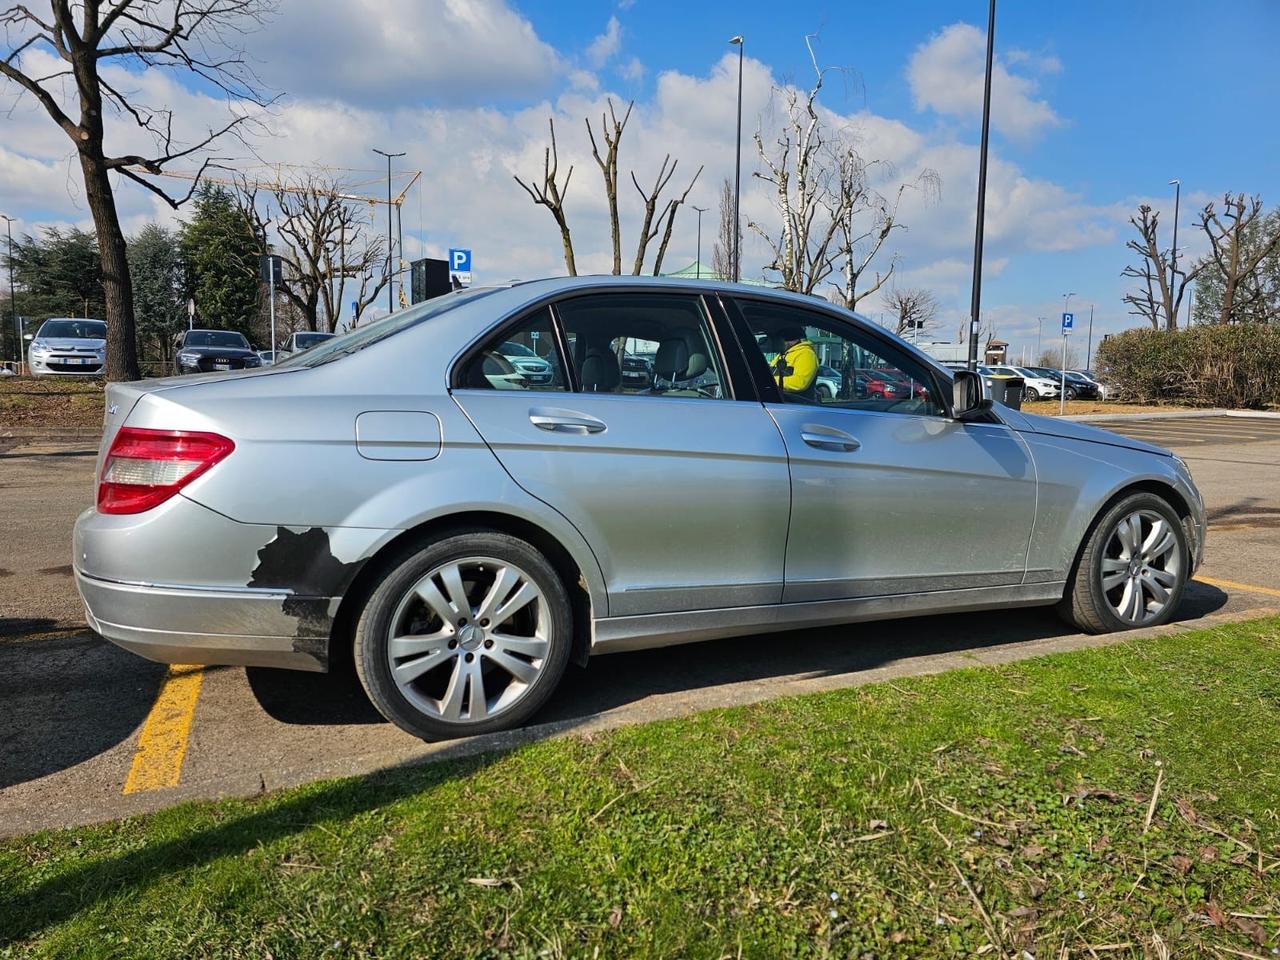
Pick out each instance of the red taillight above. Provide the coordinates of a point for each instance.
(145, 468)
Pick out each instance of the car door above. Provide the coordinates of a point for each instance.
(679, 484)
(889, 495)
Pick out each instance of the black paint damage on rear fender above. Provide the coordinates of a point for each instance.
(304, 564)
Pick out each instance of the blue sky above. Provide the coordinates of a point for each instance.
(1099, 105)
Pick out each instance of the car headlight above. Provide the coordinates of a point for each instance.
(39, 346)
(189, 357)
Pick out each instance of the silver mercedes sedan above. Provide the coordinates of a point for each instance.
(466, 524)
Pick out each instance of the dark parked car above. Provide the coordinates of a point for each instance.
(203, 351)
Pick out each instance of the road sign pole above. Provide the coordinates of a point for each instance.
(273, 311)
(1062, 397)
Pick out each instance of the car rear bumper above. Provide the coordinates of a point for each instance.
(183, 624)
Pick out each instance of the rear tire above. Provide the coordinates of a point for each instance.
(1131, 570)
(465, 635)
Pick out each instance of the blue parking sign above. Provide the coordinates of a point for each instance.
(460, 266)
(1068, 322)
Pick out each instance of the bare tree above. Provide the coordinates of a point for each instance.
(192, 36)
(1236, 254)
(551, 196)
(550, 193)
(821, 193)
(323, 242)
(722, 251)
(914, 307)
(1160, 298)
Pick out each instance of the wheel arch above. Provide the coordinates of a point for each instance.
(1160, 488)
(341, 634)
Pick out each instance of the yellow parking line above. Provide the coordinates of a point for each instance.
(1246, 587)
(163, 741)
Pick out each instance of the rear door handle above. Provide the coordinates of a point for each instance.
(828, 438)
(565, 421)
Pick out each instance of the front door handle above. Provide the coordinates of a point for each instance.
(828, 438)
(565, 421)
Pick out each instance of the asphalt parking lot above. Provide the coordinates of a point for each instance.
(90, 732)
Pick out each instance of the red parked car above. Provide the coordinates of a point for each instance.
(876, 383)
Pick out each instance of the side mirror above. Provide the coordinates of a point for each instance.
(969, 397)
(29, 336)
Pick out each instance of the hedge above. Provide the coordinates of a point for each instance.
(1236, 365)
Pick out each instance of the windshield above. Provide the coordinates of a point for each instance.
(215, 338)
(311, 339)
(370, 333)
(510, 349)
(74, 329)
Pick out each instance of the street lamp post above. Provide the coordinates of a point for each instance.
(13, 301)
(390, 285)
(1173, 257)
(1088, 350)
(976, 304)
(698, 262)
(1062, 393)
(1039, 328)
(737, 175)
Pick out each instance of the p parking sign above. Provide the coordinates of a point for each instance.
(460, 266)
(1068, 323)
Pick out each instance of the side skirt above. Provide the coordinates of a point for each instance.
(616, 634)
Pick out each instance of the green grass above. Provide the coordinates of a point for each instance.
(931, 817)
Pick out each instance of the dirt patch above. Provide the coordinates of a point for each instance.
(58, 403)
(1083, 407)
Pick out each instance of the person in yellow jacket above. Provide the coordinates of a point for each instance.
(796, 368)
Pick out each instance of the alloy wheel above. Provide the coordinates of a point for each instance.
(1141, 566)
(469, 639)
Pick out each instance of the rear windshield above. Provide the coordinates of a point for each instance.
(215, 338)
(74, 329)
(370, 333)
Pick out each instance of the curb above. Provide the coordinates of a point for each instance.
(50, 434)
(1188, 415)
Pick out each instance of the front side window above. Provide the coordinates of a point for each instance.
(524, 357)
(642, 344)
(817, 360)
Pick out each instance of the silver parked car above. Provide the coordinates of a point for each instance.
(65, 346)
(396, 494)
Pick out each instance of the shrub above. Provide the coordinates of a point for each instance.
(1237, 365)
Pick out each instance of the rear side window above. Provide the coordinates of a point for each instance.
(523, 357)
(642, 344)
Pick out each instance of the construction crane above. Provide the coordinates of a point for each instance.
(283, 177)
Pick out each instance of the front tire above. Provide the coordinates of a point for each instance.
(1031, 394)
(465, 635)
(1132, 569)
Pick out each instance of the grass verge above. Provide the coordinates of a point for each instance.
(1120, 801)
(60, 402)
(1051, 408)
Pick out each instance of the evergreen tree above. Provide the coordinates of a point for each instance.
(158, 273)
(221, 256)
(58, 274)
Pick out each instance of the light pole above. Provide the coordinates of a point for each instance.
(1173, 257)
(13, 301)
(1088, 350)
(698, 268)
(1039, 328)
(390, 285)
(737, 175)
(1062, 393)
(976, 305)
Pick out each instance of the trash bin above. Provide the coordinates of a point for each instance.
(1006, 390)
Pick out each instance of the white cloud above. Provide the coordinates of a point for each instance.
(390, 52)
(632, 70)
(946, 75)
(606, 45)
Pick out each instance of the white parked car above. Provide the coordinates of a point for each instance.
(301, 340)
(1035, 385)
(65, 346)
